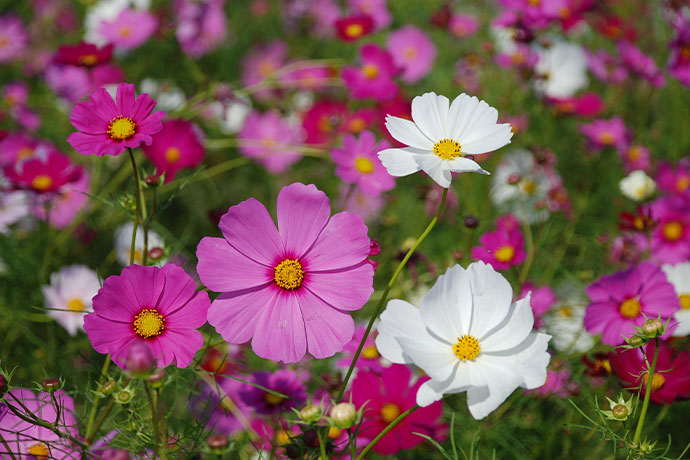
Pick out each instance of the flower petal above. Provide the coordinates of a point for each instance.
(280, 333)
(327, 329)
(303, 212)
(125, 99)
(223, 269)
(345, 290)
(399, 162)
(488, 139)
(447, 308)
(435, 167)
(234, 315)
(342, 243)
(461, 164)
(430, 354)
(491, 298)
(430, 114)
(513, 330)
(399, 319)
(408, 133)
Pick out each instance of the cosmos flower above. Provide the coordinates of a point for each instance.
(13, 208)
(201, 26)
(123, 244)
(463, 25)
(413, 51)
(284, 381)
(158, 307)
(130, 29)
(289, 289)
(176, 146)
(369, 358)
(635, 157)
(565, 323)
(44, 172)
(606, 133)
(670, 243)
(501, 249)
(68, 296)
(13, 38)
(271, 140)
(352, 28)
(441, 136)
(357, 163)
(637, 186)
(64, 205)
(562, 70)
(323, 121)
(679, 276)
(469, 336)
(107, 127)
(374, 78)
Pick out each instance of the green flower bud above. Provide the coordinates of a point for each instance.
(310, 413)
(344, 415)
(653, 327)
(124, 396)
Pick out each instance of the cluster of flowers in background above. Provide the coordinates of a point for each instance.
(359, 229)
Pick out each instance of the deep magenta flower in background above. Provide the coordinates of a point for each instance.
(43, 172)
(357, 162)
(107, 127)
(176, 146)
(501, 249)
(283, 381)
(271, 140)
(289, 289)
(413, 51)
(155, 306)
(374, 79)
(623, 299)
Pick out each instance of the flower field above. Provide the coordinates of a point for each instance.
(344, 229)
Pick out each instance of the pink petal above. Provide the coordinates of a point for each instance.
(103, 104)
(280, 334)
(345, 290)
(125, 99)
(89, 144)
(85, 119)
(303, 212)
(342, 243)
(151, 124)
(234, 315)
(250, 230)
(328, 329)
(191, 316)
(179, 289)
(143, 106)
(182, 345)
(146, 284)
(106, 336)
(223, 269)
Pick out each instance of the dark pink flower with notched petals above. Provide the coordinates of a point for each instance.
(501, 249)
(45, 172)
(108, 127)
(178, 145)
(289, 290)
(357, 163)
(374, 78)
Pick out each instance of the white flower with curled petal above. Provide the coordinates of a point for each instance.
(469, 336)
(442, 135)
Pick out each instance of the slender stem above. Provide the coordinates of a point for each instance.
(44, 424)
(7, 448)
(161, 423)
(57, 408)
(154, 418)
(529, 239)
(390, 426)
(390, 284)
(647, 394)
(100, 420)
(94, 409)
(322, 444)
(137, 213)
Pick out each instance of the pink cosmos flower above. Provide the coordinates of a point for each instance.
(541, 300)
(388, 395)
(585, 105)
(289, 290)
(83, 54)
(629, 248)
(673, 180)
(606, 133)
(670, 242)
(679, 60)
(64, 205)
(311, 78)
(463, 25)
(201, 26)
(357, 163)
(501, 249)
(14, 96)
(76, 82)
(158, 307)
(45, 172)
(369, 359)
(558, 383)
(17, 147)
(376, 9)
(352, 28)
(107, 127)
(27, 440)
(284, 381)
(636, 157)
(323, 121)
(413, 51)
(671, 380)
(260, 63)
(374, 79)
(176, 146)
(622, 300)
(13, 38)
(535, 14)
(359, 120)
(640, 63)
(606, 67)
(130, 29)
(271, 140)
(368, 207)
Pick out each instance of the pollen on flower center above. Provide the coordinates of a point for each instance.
(505, 253)
(672, 231)
(528, 186)
(289, 274)
(658, 381)
(149, 323)
(364, 165)
(24, 152)
(39, 450)
(121, 128)
(684, 301)
(606, 138)
(682, 183)
(370, 352)
(42, 182)
(75, 305)
(334, 433)
(566, 311)
(273, 399)
(172, 154)
(88, 59)
(630, 308)
(354, 30)
(370, 71)
(467, 348)
(447, 149)
(390, 412)
(410, 52)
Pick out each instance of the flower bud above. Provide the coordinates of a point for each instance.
(374, 248)
(514, 178)
(124, 396)
(292, 451)
(51, 385)
(139, 362)
(471, 221)
(153, 180)
(310, 413)
(157, 378)
(156, 253)
(653, 327)
(344, 415)
(3, 385)
(108, 387)
(619, 411)
(635, 341)
(217, 443)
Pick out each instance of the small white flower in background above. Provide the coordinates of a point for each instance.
(68, 297)
(441, 136)
(469, 336)
(561, 70)
(107, 10)
(123, 244)
(637, 186)
(565, 324)
(679, 276)
(14, 207)
(167, 96)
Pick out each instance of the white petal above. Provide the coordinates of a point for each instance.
(408, 133)
(460, 165)
(426, 395)
(398, 162)
(491, 298)
(533, 360)
(466, 377)
(399, 319)
(435, 167)
(488, 139)
(471, 115)
(430, 114)
(431, 355)
(514, 330)
(683, 327)
(447, 308)
(501, 382)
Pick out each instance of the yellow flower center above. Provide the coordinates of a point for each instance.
(566, 311)
(273, 399)
(364, 165)
(370, 352)
(370, 71)
(634, 153)
(390, 412)
(684, 301)
(282, 437)
(76, 305)
(410, 52)
(41, 182)
(289, 274)
(39, 450)
(354, 30)
(672, 231)
(121, 128)
(528, 186)
(630, 308)
(505, 253)
(172, 154)
(149, 323)
(682, 183)
(534, 2)
(266, 68)
(447, 149)
(334, 433)
(24, 152)
(88, 59)
(4, 41)
(658, 381)
(125, 32)
(606, 138)
(467, 348)
(356, 125)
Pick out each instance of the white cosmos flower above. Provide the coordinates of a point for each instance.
(68, 297)
(123, 244)
(566, 324)
(679, 276)
(637, 186)
(562, 69)
(441, 136)
(469, 336)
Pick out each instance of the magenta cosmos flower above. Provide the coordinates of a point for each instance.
(176, 146)
(622, 300)
(130, 29)
(288, 290)
(107, 127)
(357, 162)
(271, 140)
(413, 51)
(13, 38)
(374, 79)
(155, 306)
(501, 249)
(606, 133)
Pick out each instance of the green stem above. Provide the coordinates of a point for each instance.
(33, 420)
(137, 213)
(161, 423)
(390, 426)
(390, 284)
(94, 409)
(7, 448)
(647, 394)
(99, 422)
(322, 444)
(529, 240)
(154, 418)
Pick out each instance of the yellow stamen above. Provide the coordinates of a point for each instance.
(24, 152)
(630, 308)
(566, 311)
(39, 450)
(149, 323)
(172, 154)
(467, 348)
(370, 352)
(282, 437)
(289, 274)
(528, 186)
(88, 59)
(684, 301)
(354, 30)
(634, 153)
(370, 71)
(121, 128)
(76, 305)
(658, 381)
(41, 182)
(505, 253)
(682, 183)
(606, 138)
(447, 149)
(125, 32)
(266, 68)
(672, 231)
(334, 433)
(273, 399)
(356, 125)
(389, 412)
(364, 165)
(410, 52)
